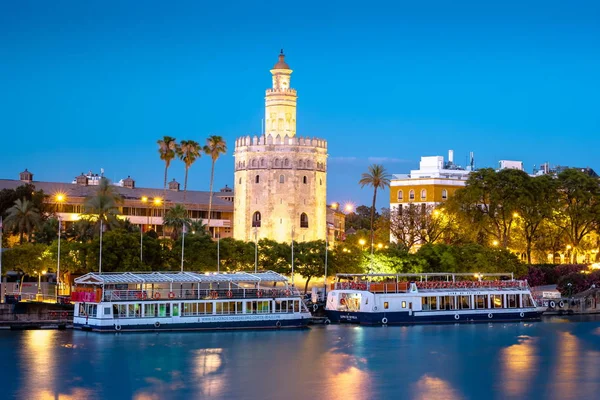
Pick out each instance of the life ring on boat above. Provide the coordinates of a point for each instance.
(171, 295)
(327, 321)
(229, 294)
(52, 314)
(288, 293)
(456, 317)
(375, 308)
(157, 295)
(278, 324)
(561, 304)
(157, 324)
(552, 304)
(274, 292)
(522, 315)
(259, 293)
(138, 295)
(64, 314)
(384, 320)
(117, 327)
(144, 295)
(362, 286)
(490, 315)
(214, 294)
(315, 307)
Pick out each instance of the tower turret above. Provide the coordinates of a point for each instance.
(280, 101)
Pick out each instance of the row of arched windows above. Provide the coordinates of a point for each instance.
(256, 220)
(281, 179)
(411, 194)
(280, 163)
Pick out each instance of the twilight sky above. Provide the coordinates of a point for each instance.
(89, 85)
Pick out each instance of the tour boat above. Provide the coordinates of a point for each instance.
(161, 301)
(384, 299)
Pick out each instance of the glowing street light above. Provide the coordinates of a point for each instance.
(362, 244)
(40, 273)
(495, 243)
(380, 246)
(349, 207)
(515, 215)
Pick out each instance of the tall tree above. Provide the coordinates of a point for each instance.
(378, 178)
(175, 218)
(103, 205)
(215, 146)
(24, 217)
(579, 206)
(166, 149)
(188, 151)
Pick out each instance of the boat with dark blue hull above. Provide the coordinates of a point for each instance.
(385, 299)
(167, 301)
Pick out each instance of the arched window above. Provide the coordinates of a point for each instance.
(286, 163)
(254, 163)
(400, 195)
(262, 162)
(256, 220)
(240, 181)
(305, 180)
(277, 163)
(444, 194)
(303, 220)
(423, 194)
(281, 179)
(320, 181)
(257, 179)
(411, 195)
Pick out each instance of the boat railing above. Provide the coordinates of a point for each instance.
(196, 294)
(403, 287)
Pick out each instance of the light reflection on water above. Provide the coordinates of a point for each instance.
(498, 361)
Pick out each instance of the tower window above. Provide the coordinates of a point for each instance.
(444, 194)
(423, 194)
(257, 179)
(286, 163)
(256, 220)
(411, 195)
(240, 181)
(303, 220)
(281, 179)
(305, 180)
(400, 195)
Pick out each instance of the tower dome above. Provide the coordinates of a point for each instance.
(281, 64)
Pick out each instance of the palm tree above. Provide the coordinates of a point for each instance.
(198, 228)
(103, 205)
(24, 216)
(175, 218)
(378, 178)
(215, 146)
(166, 149)
(188, 152)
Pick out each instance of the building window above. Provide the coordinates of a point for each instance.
(321, 182)
(386, 305)
(257, 179)
(254, 164)
(403, 304)
(240, 181)
(444, 194)
(423, 194)
(281, 179)
(305, 180)
(303, 220)
(286, 163)
(400, 195)
(262, 162)
(256, 220)
(411, 195)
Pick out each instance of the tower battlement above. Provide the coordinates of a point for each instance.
(277, 140)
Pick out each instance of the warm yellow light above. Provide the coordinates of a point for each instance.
(157, 200)
(60, 197)
(334, 206)
(568, 247)
(436, 212)
(515, 215)
(495, 243)
(349, 207)
(380, 245)
(144, 199)
(44, 272)
(362, 242)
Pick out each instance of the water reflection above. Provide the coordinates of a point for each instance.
(430, 387)
(564, 375)
(208, 363)
(519, 365)
(342, 371)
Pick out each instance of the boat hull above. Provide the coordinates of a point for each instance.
(119, 326)
(424, 317)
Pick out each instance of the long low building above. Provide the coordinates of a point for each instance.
(142, 206)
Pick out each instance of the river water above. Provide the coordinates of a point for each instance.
(558, 358)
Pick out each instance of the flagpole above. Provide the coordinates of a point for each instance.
(100, 261)
(182, 244)
(292, 257)
(218, 250)
(141, 243)
(58, 264)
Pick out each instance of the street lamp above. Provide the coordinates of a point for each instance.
(362, 244)
(144, 201)
(157, 202)
(60, 198)
(40, 280)
(495, 243)
(349, 207)
(380, 246)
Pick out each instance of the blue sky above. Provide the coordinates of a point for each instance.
(90, 85)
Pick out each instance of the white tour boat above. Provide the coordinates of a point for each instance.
(383, 299)
(157, 301)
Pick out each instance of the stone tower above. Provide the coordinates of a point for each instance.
(280, 178)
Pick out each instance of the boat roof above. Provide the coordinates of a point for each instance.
(94, 278)
(427, 274)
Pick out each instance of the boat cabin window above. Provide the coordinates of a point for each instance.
(403, 304)
(106, 310)
(386, 305)
(88, 310)
(257, 307)
(447, 303)
(164, 310)
(497, 300)
(134, 310)
(527, 301)
(429, 303)
(512, 300)
(350, 302)
(176, 310)
(481, 301)
(465, 302)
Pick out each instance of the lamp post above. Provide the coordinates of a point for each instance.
(40, 273)
(60, 198)
(157, 202)
(144, 201)
(183, 231)
(218, 250)
(100, 259)
(362, 244)
(255, 249)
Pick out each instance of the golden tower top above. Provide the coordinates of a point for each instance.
(280, 101)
